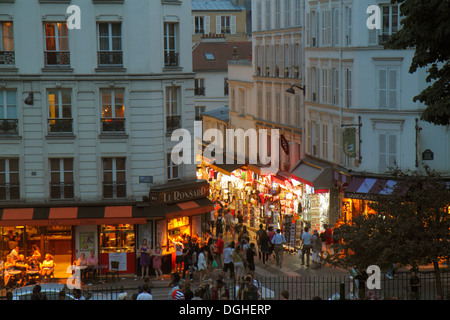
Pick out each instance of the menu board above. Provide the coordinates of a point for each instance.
(121, 257)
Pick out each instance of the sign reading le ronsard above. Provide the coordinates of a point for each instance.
(182, 193)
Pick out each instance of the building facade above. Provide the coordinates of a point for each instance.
(87, 122)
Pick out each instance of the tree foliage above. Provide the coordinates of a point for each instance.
(409, 228)
(426, 27)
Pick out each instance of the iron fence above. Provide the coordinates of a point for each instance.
(349, 288)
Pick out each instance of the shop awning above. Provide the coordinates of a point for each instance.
(316, 174)
(224, 168)
(189, 208)
(95, 215)
(369, 188)
(262, 170)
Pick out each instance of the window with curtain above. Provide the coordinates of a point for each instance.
(173, 170)
(113, 111)
(388, 88)
(61, 178)
(56, 44)
(170, 44)
(173, 112)
(387, 150)
(8, 112)
(9, 179)
(59, 110)
(114, 178)
(7, 55)
(110, 43)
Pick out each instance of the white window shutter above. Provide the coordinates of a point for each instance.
(207, 24)
(382, 152)
(233, 24)
(392, 102)
(392, 150)
(193, 25)
(382, 89)
(308, 29)
(218, 25)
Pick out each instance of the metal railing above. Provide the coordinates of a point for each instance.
(110, 58)
(61, 190)
(9, 191)
(9, 126)
(173, 123)
(348, 288)
(171, 59)
(57, 58)
(113, 190)
(60, 125)
(113, 125)
(7, 57)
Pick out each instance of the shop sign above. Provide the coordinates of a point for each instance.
(428, 155)
(179, 195)
(349, 142)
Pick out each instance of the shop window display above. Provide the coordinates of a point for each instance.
(117, 238)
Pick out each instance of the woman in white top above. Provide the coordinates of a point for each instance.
(201, 264)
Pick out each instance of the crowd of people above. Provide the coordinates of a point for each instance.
(18, 270)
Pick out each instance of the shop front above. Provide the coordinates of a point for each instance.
(67, 232)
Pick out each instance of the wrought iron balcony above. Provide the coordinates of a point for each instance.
(173, 123)
(113, 125)
(7, 57)
(57, 58)
(171, 59)
(112, 189)
(60, 125)
(8, 126)
(110, 58)
(61, 190)
(9, 191)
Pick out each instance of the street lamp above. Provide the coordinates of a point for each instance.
(292, 91)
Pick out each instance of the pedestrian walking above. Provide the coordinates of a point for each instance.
(278, 240)
(238, 262)
(258, 242)
(316, 249)
(218, 252)
(306, 246)
(228, 260)
(219, 224)
(265, 247)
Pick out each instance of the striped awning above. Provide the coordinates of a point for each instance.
(370, 188)
(98, 215)
(49, 216)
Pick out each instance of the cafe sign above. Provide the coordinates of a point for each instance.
(187, 193)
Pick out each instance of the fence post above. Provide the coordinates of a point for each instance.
(342, 290)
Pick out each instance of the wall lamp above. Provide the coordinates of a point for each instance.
(292, 91)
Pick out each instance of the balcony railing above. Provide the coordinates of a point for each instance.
(173, 123)
(8, 126)
(171, 59)
(57, 58)
(113, 125)
(112, 190)
(199, 91)
(60, 125)
(9, 191)
(110, 58)
(61, 190)
(7, 57)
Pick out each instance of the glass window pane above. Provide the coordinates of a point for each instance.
(14, 178)
(68, 177)
(103, 29)
(54, 165)
(55, 177)
(107, 164)
(68, 164)
(13, 165)
(2, 165)
(107, 176)
(120, 164)
(116, 29)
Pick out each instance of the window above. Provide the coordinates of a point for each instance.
(287, 13)
(324, 141)
(8, 112)
(348, 26)
(313, 138)
(268, 105)
(61, 179)
(390, 20)
(268, 15)
(298, 110)
(110, 44)
(388, 88)
(6, 43)
(56, 44)
(233, 100)
(113, 111)
(59, 111)
(199, 89)
(277, 107)
(277, 14)
(326, 28)
(114, 181)
(348, 88)
(242, 101)
(387, 146)
(325, 90)
(259, 97)
(199, 25)
(170, 45)
(258, 16)
(226, 24)
(336, 139)
(288, 109)
(225, 87)
(9, 179)
(210, 56)
(198, 112)
(173, 172)
(335, 86)
(313, 29)
(335, 27)
(313, 84)
(298, 13)
(173, 117)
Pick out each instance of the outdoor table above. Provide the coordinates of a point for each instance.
(99, 267)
